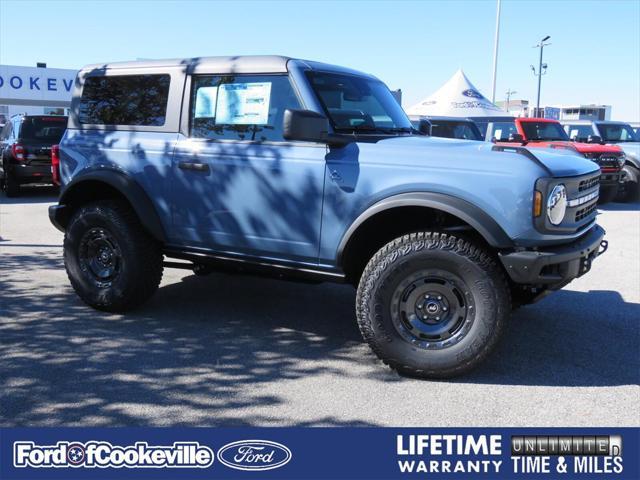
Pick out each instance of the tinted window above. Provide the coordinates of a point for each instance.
(247, 107)
(461, 130)
(355, 103)
(125, 100)
(43, 129)
(543, 131)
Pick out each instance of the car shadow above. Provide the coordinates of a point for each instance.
(32, 194)
(209, 345)
(569, 339)
(620, 207)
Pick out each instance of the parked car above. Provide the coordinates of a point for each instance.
(25, 148)
(450, 127)
(547, 133)
(617, 133)
(305, 170)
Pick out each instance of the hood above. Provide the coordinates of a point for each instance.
(445, 151)
(590, 147)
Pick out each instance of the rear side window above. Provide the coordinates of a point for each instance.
(43, 129)
(125, 100)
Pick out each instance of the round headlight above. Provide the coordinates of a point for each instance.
(557, 204)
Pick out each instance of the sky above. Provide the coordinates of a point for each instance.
(594, 56)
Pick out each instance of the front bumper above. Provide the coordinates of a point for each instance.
(554, 267)
(610, 179)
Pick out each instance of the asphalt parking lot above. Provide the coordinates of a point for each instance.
(226, 350)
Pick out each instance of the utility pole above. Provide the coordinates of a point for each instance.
(495, 54)
(541, 67)
(509, 93)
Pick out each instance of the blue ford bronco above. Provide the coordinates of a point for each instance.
(299, 169)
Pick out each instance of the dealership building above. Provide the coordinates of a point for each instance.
(35, 90)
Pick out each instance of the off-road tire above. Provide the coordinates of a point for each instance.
(405, 258)
(10, 186)
(139, 257)
(630, 190)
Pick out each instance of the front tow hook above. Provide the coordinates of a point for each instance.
(604, 246)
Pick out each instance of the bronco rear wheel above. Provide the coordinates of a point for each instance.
(112, 262)
(432, 305)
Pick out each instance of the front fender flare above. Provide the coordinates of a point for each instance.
(484, 224)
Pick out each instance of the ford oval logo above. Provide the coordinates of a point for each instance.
(254, 455)
(472, 93)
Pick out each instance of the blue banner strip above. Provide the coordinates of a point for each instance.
(319, 453)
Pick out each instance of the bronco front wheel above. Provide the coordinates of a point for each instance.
(432, 305)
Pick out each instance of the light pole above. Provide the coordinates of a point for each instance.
(495, 54)
(508, 93)
(541, 66)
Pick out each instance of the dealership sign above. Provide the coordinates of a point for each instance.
(31, 83)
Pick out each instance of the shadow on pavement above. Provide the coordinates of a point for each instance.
(620, 207)
(203, 343)
(32, 194)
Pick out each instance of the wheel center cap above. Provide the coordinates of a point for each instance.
(432, 307)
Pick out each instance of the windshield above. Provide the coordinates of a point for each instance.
(544, 131)
(453, 129)
(43, 129)
(501, 130)
(359, 104)
(616, 132)
(578, 132)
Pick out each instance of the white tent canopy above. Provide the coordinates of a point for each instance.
(456, 98)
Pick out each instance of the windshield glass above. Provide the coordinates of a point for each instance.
(544, 131)
(501, 130)
(612, 132)
(578, 132)
(358, 104)
(43, 129)
(453, 129)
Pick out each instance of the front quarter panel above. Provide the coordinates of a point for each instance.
(360, 175)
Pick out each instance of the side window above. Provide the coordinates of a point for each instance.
(125, 100)
(243, 107)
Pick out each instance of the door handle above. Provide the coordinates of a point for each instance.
(194, 166)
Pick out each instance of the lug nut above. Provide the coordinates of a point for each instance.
(439, 297)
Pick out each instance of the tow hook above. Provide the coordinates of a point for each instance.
(604, 245)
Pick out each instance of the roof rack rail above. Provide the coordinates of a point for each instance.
(522, 151)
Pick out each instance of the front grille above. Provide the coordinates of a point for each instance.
(585, 212)
(607, 160)
(589, 183)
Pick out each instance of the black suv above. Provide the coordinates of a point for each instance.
(25, 145)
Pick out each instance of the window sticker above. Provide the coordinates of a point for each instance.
(243, 103)
(206, 102)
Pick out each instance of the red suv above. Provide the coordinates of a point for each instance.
(547, 133)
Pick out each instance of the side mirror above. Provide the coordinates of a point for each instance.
(594, 139)
(516, 138)
(309, 126)
(424, 127)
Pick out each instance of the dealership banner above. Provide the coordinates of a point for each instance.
(319, 453)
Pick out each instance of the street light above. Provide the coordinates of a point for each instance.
(509, 93)
(542, 69)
